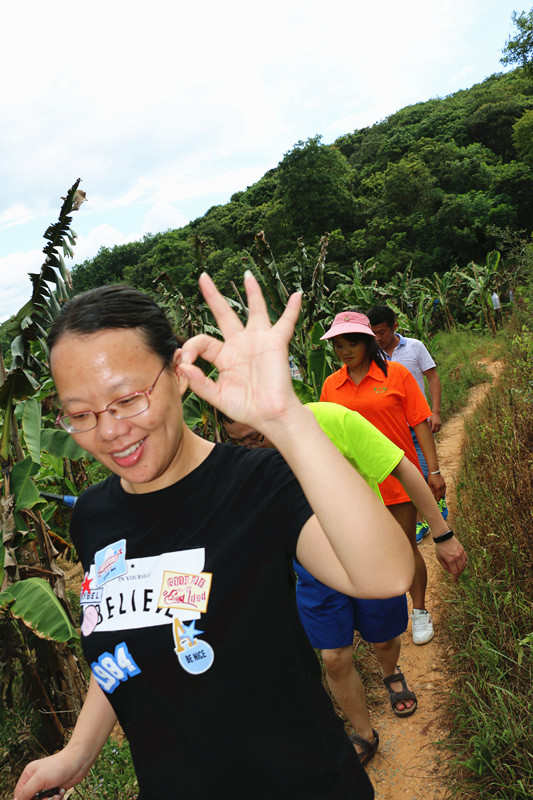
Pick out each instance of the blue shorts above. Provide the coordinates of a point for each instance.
(421, 460)
(330, 618)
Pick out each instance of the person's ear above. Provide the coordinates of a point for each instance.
(395, 327)
(183, 382)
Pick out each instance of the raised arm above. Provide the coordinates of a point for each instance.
(70, 765)
(352, 543)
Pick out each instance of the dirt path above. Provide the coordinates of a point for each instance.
(408, 766)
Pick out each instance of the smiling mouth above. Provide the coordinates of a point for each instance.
(129, 450)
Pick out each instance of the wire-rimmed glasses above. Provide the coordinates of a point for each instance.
(122, 408)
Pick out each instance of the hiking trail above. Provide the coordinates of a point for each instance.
(408, 765)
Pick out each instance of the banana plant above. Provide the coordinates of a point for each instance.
(362, 292)
(30, 580)
(308, 352)
(403, 288)
(443, 292)
(311, 356)
(482, 280)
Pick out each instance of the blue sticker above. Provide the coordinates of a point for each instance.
(110, 670)
(197, 658)
(110, 562)
(194, 655)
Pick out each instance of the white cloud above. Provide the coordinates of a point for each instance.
(101, 236)
(15, 215)
(15, 285)
(161, 217)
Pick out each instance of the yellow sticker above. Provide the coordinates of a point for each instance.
(185, 590)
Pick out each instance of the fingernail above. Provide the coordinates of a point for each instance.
(248, 274)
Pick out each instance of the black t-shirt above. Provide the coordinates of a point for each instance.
(191, 628)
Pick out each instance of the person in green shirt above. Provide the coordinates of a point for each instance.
(330, 617)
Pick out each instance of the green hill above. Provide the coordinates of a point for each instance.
(438, 183)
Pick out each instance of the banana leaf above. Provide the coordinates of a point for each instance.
(60, 443)
(31, 425)
(34, 602)
(22, 486)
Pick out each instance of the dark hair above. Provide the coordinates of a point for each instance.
(112, 307)
(380, 314)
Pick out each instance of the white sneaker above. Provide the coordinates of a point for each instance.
(422, 626)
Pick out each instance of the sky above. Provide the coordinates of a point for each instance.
(166, 108)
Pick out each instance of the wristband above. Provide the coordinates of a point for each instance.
(443, 537)
(437, 472)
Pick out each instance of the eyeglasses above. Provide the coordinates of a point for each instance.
(255, 439)
(123, 408)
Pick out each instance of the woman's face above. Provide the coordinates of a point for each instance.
(92, 370)
(353, 354)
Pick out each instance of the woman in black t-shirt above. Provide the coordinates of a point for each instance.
(189, 619)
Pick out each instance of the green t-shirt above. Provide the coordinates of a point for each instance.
(367, 449)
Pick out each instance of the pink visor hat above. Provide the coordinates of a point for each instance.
(349, 322)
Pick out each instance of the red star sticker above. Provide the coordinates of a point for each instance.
(86, 585)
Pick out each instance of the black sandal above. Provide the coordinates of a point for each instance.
(369, 748)
(399, 697)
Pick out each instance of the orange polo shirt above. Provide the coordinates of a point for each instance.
(391, 403)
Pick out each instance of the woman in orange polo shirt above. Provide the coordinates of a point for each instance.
(388, 396)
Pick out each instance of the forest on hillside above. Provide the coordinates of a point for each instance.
(437, 184)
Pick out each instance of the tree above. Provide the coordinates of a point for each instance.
(523, 136)
(520, 49)
(314, 183)
(491, 124)
(109, 264)
(408, 187)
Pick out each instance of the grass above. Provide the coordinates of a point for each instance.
(19, 736)
(458, 355)
(491, 611)
(112, 775)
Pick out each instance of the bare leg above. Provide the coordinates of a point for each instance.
(348, 690)
(388, 655)
(405, 514)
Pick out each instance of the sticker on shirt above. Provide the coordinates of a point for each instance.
(194, 655)
(110, 562)
(112, 670)
(131, 599)
(380, 389)
(90, 599)
(186, 591)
